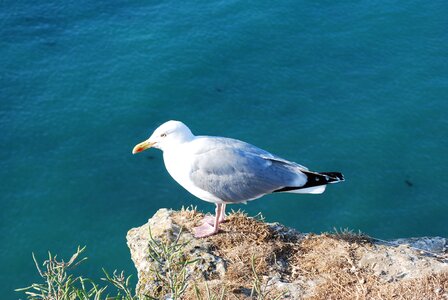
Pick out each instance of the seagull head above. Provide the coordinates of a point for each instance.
(167, 135)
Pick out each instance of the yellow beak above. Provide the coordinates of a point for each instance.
(142, 146)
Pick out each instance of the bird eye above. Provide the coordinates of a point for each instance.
(163, 135)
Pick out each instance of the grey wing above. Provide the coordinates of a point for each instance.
(284, 161)
(235, 175)
(249, 148)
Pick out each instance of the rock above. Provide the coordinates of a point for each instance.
(396, 263)
(165, 231)
(251, 258)
(431, 244)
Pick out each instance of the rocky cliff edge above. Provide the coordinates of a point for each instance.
(251, 259)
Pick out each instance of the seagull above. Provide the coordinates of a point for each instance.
(225, 171)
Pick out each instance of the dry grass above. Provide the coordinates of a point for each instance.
(429, 287)
(328, 259)
(251, 249)
(332, 259)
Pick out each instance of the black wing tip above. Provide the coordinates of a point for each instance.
(315, 179)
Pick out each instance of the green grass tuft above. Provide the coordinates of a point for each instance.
(59, 284)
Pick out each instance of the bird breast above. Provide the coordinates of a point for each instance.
(179, 167)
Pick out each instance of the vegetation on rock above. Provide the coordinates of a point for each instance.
(252, 259)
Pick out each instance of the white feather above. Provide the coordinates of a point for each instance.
(311, 190)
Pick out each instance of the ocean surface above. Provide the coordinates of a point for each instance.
(359, 87)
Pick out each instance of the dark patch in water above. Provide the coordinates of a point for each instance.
(409, 183)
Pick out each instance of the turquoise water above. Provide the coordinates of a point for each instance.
(356, 86)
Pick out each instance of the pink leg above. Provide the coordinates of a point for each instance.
(206, 229)
(211, 219)
(222, 218)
